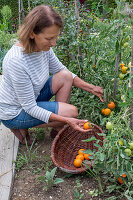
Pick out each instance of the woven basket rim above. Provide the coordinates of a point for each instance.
(78, 170)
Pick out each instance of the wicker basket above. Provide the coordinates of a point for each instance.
(66, 144)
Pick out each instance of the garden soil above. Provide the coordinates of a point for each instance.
(26, 181)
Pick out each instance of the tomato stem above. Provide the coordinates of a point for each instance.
(100, 185)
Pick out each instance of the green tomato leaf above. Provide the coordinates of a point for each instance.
(58, 180)
(89, 139)
(97, 145)
(101, 157)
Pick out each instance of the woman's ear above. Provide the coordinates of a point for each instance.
(32, 35)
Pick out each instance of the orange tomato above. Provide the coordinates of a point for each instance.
(81, 151)
(107, 111)
(77, 162)
(86, 156)
(102, 111)
(120, 180)
(122, 65)
(80, 156)
(111, 105)
(87, 125)
(124, 175)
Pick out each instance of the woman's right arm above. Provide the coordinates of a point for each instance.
(76, 124)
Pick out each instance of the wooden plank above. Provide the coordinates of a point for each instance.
(8, 153)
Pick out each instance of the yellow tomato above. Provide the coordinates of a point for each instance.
(120, 142)
(124, 70)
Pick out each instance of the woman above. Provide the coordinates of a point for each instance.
(26, 87)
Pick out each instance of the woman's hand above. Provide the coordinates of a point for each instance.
(98, 91)
(77, 124)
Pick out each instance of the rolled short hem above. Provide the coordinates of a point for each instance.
(24, 120)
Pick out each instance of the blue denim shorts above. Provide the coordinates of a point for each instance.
(24, 120)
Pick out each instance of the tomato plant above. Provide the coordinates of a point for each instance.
(97, 66)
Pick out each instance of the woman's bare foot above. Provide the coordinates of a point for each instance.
(54, 131)
(22, 134)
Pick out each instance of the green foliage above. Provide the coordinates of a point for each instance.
(27, 158)
(6, 12)
(6, 41)
(77, 193)
(94, 193)
(2, 54)
(6, 15)
(49, 179)
(111, 158)
(13, 4)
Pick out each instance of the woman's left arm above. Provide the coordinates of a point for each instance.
(96, 90)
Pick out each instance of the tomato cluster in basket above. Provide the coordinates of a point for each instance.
(80, 157)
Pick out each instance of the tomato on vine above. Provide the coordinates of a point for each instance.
(109, 125)
(130, 145)
(120, 142)
(107, 111)
(128, 152)
(124, 70)
(111, 105)
(120, 180)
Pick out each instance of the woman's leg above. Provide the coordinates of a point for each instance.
(61, 87)
(21, 134)
(66, 110)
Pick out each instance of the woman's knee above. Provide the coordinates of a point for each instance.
(67, 110)
(65, 75)
(74, 111)
(61, 79)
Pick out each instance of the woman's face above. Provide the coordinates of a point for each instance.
(47, 38)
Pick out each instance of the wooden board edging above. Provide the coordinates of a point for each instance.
(8, 153)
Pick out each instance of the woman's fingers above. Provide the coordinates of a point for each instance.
(77, 125)
(98, 91)
(102, 99)
(82, 130)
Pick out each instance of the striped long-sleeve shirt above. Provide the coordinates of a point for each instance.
(24, 75)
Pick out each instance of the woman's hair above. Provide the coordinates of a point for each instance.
(39, 18)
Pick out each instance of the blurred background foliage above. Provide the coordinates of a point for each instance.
(89, 4)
